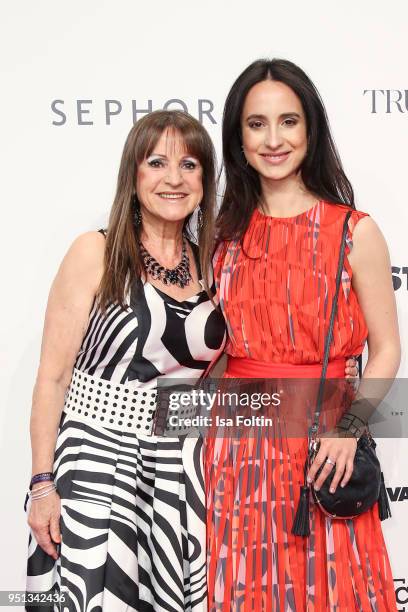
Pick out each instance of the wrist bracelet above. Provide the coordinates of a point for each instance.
(50, 489)
(352, 423)
(46, 486)
(43, 493)
(41, 477)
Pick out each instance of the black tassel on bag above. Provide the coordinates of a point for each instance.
(301, 524)
(384, 509)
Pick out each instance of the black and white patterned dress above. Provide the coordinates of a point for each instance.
(132, 504)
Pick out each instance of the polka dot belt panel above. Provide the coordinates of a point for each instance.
(110, 404)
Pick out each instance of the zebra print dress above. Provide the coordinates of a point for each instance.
(132, 504)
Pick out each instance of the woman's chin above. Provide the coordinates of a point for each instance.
(175, 215)
(276, 174)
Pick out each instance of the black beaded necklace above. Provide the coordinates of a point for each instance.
(180, 275)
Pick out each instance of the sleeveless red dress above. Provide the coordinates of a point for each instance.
(276, 291)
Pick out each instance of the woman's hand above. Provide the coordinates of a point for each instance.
(351, 370)
(341, 452)
(43, 518)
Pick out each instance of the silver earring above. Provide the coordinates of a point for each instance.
(137, 215)
(200, 219)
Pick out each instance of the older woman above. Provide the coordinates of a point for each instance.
(117, 514)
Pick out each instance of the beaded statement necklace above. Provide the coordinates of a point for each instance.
(180, 275)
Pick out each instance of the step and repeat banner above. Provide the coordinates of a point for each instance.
(75, 77)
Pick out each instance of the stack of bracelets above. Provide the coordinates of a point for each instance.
(352, 425)
(355, 424)
(46, 489)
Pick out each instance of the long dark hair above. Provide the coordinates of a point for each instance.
(321, 171)
(123, 263)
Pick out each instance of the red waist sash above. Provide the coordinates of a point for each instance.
(244, 367)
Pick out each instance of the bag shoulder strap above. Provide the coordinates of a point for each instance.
(329, 335)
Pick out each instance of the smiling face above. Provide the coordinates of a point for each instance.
(169, 181)
(274, 132)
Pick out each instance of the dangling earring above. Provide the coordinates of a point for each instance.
(200, 219)
(137, 215)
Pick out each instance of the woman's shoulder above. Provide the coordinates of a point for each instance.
(338, 212)
(89, 245)
(364, 232)
(84, 259)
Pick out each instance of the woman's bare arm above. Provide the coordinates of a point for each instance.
(69, 303)
(372, 283)
(70, 300)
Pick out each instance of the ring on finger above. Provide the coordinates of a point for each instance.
(330, 461)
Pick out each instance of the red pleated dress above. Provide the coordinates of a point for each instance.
(276, 290)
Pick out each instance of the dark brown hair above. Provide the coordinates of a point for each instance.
(321, 170)
(123, 264)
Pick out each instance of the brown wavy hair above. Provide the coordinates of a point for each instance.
(123, 263)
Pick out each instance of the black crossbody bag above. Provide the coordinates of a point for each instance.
(366, 485)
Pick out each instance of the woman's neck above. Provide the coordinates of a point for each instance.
(285, 198)
(163, 241)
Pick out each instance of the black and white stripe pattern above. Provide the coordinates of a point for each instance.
(132, 505)
(155, 336)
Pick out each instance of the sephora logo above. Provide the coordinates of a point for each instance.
(387, 100)
(105, 112)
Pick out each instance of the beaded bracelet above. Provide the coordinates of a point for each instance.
(41, 478)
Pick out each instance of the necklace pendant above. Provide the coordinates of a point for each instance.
(180, 275)
(172, 276)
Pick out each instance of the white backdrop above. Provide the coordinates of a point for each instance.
(96, 56)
